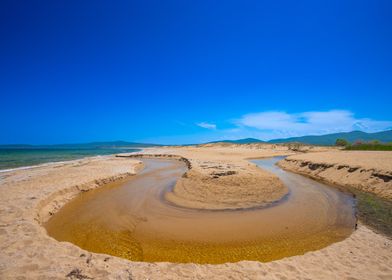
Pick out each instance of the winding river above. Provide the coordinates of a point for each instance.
(131, 219)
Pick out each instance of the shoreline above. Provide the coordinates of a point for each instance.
(43, 164)
(48, 164)
(26, 248)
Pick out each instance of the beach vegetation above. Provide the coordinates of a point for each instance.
(374, 211)
(341, 142)
(373, 145)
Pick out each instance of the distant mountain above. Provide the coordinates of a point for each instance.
(17, 146)
(91, 145)
(329, 139)
(240, 141)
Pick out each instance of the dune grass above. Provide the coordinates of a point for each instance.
(374, 211)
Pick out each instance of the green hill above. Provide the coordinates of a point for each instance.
(329, 139)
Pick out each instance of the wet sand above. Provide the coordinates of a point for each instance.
(133, 220)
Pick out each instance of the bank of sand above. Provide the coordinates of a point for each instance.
(369, 171)
(29, 197)
(222, 177)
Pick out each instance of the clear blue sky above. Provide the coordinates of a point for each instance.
(192, 71)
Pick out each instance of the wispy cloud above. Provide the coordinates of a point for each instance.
(281, 124)
(278, 124)
(206, 125)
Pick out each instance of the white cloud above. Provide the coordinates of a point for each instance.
(278, 124)
(206, 125)
(281, 124)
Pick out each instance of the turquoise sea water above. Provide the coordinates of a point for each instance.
(13, 158)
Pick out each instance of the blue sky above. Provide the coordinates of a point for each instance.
(192, 71)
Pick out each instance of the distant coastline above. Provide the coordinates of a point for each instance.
(22, 158)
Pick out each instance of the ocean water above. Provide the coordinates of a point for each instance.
(13, 158)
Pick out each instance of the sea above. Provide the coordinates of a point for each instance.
(17, 158)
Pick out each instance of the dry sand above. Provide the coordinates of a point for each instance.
(223, 178)
(27, 197)
(369, 171)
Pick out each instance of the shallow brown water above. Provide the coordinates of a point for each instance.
(132, 220)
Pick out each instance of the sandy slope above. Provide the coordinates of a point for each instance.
(27, 197)
(223, 178)
(369, 171)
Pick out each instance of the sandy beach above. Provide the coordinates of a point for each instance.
(30, 197)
